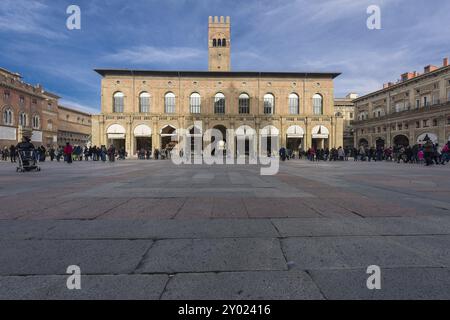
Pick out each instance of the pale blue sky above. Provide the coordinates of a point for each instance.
(291, 35)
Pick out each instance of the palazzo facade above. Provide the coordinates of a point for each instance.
(412, 110)
(144, 109)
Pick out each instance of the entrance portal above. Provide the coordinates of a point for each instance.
(320, 136)
(143, 143)
(169, 137)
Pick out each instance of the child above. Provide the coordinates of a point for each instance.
(420, 156)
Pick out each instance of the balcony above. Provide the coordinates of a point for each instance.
(422, 108)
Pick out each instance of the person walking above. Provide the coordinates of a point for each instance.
(12, 153)
(68, 150)
(445, 153)
(428, 150)
(52, 154)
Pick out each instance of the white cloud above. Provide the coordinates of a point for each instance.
(149, 54)
(28, 17)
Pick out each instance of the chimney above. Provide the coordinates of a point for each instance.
(429, 68)
(407, 76)
(445, 62)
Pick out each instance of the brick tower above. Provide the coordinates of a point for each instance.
(219, 43)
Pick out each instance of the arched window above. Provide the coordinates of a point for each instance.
(118, 100)
(317, 104)
(294, 104)
(244, 103)
(23, 119)
(195, 102)
(36, 122)
(8, 116)
(219, 42)
(144, 102)
(214, 42)
(224, 42)
(219, 103)
(269, 103)
(169, 102)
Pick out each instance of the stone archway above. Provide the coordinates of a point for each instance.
(143, 138)
(294, 138)
(401, 140)
(363, 142)
(169, 137)
(116, 136)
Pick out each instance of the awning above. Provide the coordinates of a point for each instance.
(320, 132)
(243, 131)
(295, 132)
(269, 131)
(142, 130)
(116, 135)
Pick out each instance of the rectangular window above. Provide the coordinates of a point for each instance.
(145, 103)
(293, 106)
(417, 124)
(244, 105)
(170, 104)
(425, 123)
(219, 105)
(268, 105)
(195, 103)
(118, 104)
(417, 104)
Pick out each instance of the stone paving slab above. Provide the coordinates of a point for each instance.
(148, 229)
(351, 252)
(197, 207)
(24, 229)
(47, 257)
(261, 285)
(277, 207)
(97, 287)
(229, 208)
(410, 225)
(396, 283)
(78, 208)
(143, 208)
(305, 227)
(204, 255)
(435, 247)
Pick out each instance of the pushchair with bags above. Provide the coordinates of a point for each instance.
(27, 159)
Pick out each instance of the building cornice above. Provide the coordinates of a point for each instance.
(215, 74)
(403, 83)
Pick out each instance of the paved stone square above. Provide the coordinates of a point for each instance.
(154, 230)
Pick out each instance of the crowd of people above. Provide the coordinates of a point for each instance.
(428, 153)
(68, 153)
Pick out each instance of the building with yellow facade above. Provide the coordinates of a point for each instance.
(144, 109)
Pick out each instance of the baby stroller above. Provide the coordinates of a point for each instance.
(27, 160)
